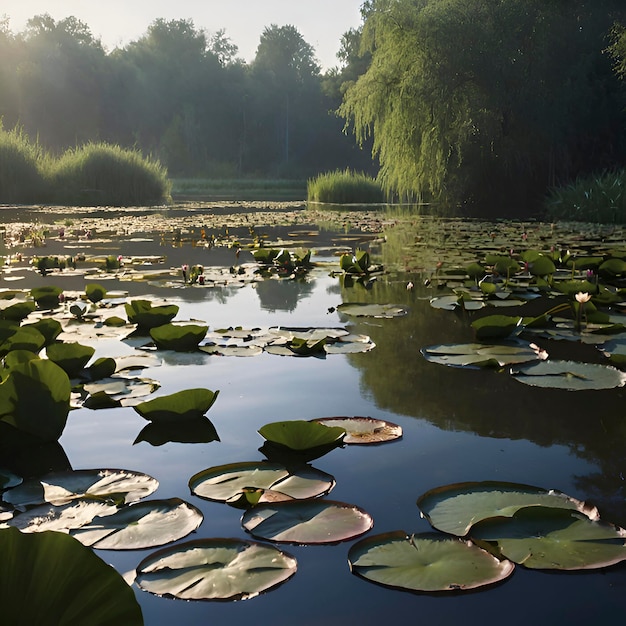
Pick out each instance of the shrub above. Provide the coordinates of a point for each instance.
(21, 162)
(344, 187)
(104, 174)
(600, 198)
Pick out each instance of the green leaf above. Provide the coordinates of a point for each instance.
(302, 435)
(23, 338)
(46, 297)
(95, 292)
(570, 375)
(18, 311)
(496, 326)
(71, 356)
(455, 508)
(541, 537)
(142, 313)
(48, 327)
(179, 406)
(306, 521)
(139, 526)
(181, 338)
(215, 569)
(227, 483)
(50, 578)
(425, 562)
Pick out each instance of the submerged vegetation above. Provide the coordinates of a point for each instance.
(94, 174)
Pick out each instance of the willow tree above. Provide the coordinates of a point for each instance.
(486, 101)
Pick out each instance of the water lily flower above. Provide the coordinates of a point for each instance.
(582, 297)
(184, 269)
(409, 285)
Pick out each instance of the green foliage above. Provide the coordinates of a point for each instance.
(344, 187)
(600, 198)
(103, 174)
(491, 117)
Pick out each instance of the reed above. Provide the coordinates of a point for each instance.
(344, 187)
(104, 174)
(599, 199)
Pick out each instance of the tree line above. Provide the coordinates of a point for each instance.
(180, 95)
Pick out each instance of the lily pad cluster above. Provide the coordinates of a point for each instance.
(486, 528)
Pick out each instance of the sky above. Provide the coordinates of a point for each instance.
(117, 22)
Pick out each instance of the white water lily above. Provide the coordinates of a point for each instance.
(582, 297)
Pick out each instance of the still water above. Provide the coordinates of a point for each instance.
(458, 425)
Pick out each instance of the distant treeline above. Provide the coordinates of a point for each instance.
(178, 95)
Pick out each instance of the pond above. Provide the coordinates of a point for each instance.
(459, 424)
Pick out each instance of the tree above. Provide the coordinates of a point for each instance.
(479, 101)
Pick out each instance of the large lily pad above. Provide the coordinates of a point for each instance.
(109, 485)
(180, 406)
(229, 483)
(50, 578)
(302, 435)
(72, 357)
(307, 521)
(426, 562)
(570, 375)
(142, 525)
(483, 354)
(215, 569)
(455, 508)
(547, 538)
(363, 430)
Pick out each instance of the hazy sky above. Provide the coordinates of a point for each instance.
(116, 22)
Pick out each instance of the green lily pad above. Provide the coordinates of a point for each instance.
(181, 338)
(18, 311)
(23, 338)
(483, 354)
(547, 538)
(142, 313)
(455, 508)
(70, 356)
(109, 485)
(372, 310)
(95, 292)
(146, 524)
(496, 327)
(426, 562)
(570, 375)
(307, 521)
(50, 578)
(215, 569)
(180, 406)
(48, 327)
(46, 297)
(363, 430)
(228, 483)
(301, 434)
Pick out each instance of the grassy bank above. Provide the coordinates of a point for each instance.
(344, 187)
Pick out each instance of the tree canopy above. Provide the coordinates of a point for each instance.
(483, 101)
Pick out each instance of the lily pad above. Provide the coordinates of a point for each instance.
(547, 538)
(496, 326)
(70, 356)
(483, 354)
(455, 508)
(426, 562)
(50, 578)
(372, 310)
(301, 434)
(363, 430)
(108, 485)
(570, 375)
(179, 406)
(142, 313)
(307, 521)
(181, 338)
(142, 525)
(228, 483)
(215, 569)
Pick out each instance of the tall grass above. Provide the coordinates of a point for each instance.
(95, 174)
(22, 168)
(104, 174)
(600, 199)
(344, 187)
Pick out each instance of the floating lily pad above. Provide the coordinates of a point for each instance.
(70, 356)
(18, 311)
(179, 406)
(142, 313)
(228, 483)
(541, 537)
(570, 375)
(215, 569)
(301, 434)
(363, 430)
(307, 521)
(74, 586)
(372, 310)
(146, 524)
(496, 326)
(108, 485)
(122, 391)
(181, 338)
(426, 562)
(483, 354)
(455, 508)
